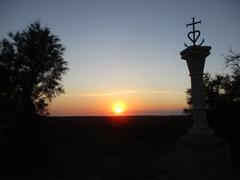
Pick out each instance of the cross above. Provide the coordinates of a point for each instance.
(193, 23)
(194, 32)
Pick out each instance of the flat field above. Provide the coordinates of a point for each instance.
(95, 148)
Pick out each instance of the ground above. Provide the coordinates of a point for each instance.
(95, 148)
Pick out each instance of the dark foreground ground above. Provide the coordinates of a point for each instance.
(94, 148)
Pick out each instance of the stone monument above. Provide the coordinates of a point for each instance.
(201, 154)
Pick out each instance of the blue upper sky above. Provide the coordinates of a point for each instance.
(119, 45)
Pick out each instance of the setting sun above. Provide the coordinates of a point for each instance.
(118, 108)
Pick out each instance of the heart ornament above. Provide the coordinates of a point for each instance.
(193, 36)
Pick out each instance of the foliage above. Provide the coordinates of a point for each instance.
(31, 68)
(232, 60)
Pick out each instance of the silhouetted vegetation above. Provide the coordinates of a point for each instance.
(221, 93)
(31, 68)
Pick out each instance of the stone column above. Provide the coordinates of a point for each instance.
(195, 57)
(201, 154)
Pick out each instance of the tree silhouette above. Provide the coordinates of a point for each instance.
(31, 68)
(232, 60)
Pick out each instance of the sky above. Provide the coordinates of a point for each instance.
(127, 51)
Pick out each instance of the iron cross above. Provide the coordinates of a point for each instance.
(194, 33)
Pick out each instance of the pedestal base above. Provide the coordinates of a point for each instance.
(200, 131)
(204, 157)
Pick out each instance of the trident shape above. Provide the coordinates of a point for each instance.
(194, 34)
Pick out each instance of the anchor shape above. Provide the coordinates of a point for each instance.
(194, 34)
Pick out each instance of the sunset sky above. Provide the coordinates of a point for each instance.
(127, 51)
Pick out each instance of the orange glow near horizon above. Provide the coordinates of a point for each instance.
(117, 104)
